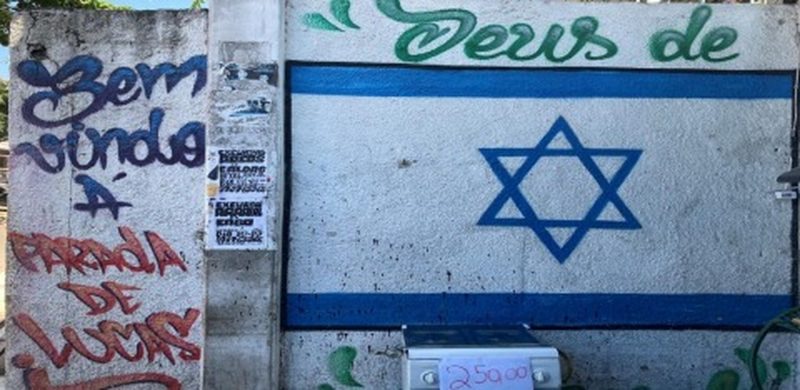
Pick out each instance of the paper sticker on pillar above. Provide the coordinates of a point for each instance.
(241, 65)
(608, 197)
(238, 224)
(239, 172)
(259, 72)
(248, 111)
(237, 185)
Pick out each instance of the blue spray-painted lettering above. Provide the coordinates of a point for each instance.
(187, 146)
(95, 193)
(79, 75)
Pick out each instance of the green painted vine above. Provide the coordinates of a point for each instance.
(340, 367)
(340, 10)
(774, 375)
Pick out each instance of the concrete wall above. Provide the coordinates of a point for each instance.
(610, 187)
(244, 286)
(106, 266)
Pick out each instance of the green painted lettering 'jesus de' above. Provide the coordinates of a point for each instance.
(493, 40)
(716, 40)
(434, 33)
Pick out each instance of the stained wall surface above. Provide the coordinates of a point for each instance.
(578, 167)
(106, 266)
(600, 172)
(245, 47)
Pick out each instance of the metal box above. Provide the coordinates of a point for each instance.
(425, 347)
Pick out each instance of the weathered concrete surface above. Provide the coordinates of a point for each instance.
(600, 359)
(237, 361)
(389, 189)
(105, 258)
(246, 44)
(3, 264)
(459, 193)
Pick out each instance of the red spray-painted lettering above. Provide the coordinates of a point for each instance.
(37, 378)
(155, 334)
(101, 300)
(79, 255)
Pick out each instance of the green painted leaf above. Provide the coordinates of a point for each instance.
(724, 380)
(782, 370)
(317, 21)
(340, 363)
(341, 11)
(761, 365)
(325, 387)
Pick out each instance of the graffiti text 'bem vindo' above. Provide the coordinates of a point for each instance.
(79, 76)
(186, 146)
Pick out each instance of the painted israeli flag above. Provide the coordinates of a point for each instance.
(568, 198)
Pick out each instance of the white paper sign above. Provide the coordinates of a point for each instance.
(238, 224)
(237, 186)
(485, 373)
(242, 173)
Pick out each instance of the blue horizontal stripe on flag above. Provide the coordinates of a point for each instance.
(406, 81)
(375, 310)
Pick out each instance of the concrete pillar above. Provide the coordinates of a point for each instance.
(245, 57)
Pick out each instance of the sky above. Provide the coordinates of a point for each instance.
(135, 4)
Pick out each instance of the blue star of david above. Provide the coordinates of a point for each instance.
(608, 189)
